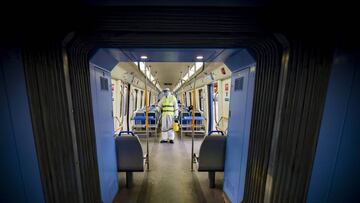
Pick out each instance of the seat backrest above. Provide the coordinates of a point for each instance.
(183, 121)
(185, 114)
(140, 114)
(152, 114)
(129, 153)
(212, 153)
(140, 121)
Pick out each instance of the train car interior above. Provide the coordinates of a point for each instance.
(202, 81)
(181, 101)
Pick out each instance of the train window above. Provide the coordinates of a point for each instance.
(185, 99)
(135, 105)
(104, 83)
(239, 84)
(125, 99)
(142, 99)
(200, 100)
(121, 99)
(149, 98)
(190, 98)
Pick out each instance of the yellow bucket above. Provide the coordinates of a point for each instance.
(176, 126)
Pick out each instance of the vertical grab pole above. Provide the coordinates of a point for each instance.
(128, 107)
(193, 127)
(147, 121)
(181, 100)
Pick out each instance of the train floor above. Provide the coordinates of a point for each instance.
(170, 179)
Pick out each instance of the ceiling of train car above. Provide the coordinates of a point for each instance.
(167, 73)
(169, 65)
(171, 55)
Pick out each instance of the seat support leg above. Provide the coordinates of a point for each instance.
(212, 179)
(129, 179)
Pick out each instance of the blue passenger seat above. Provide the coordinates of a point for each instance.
(129, 154)
(212, 155)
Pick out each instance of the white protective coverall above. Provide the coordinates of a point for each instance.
(167, 118)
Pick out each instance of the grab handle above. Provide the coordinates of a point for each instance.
(216, 131)
(126, 132)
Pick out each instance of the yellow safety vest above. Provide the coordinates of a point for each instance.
(168, 106)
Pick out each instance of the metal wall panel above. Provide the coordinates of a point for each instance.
(21, 183)
(104, 128)
(238, 135)
(335, 176)
(11, 171)
(242, 88)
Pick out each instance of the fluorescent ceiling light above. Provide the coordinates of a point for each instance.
(198, 65)
(142, 67)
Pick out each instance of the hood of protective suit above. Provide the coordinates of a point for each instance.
(166, 94)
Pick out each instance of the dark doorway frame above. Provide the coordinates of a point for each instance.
(285, 69)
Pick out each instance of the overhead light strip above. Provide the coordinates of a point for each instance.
(191, 71)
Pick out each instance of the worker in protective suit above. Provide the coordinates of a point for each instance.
(169, 111)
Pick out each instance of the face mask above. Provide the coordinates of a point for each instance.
(166, 94)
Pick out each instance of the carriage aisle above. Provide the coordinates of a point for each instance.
(170, 178)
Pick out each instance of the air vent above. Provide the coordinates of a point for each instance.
(104, 84)
(167, 83)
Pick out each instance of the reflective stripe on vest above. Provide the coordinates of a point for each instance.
(168, 106)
